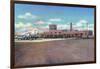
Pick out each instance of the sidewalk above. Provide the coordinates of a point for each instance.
(40, 40)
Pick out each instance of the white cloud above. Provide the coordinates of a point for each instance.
(21, 16)
(39, 22)
(44, 28)
(27, 27)
(91, 27)
(49, 23)
(83, 25)
(55, 19)
(63, 26)
(20, 26)
(27, 15)
(83, 21)
(25, 31)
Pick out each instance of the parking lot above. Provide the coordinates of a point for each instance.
(54, 52)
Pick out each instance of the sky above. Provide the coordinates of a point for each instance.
(38, 17)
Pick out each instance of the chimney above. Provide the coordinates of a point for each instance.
(71, 27)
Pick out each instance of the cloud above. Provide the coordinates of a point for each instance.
(24, 31)
(49, 23)
(83, 21)
(39, 22)
(83, 25)
(44, 28)
(91, 27)
(63, 26)
(20, 26)
(27, 15)
(55, 19)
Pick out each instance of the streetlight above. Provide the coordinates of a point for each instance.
(87, 29)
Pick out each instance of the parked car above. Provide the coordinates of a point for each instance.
(26, 37)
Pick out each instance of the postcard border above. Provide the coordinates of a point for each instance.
(12, 51)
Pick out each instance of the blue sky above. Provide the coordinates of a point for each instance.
(28, 17)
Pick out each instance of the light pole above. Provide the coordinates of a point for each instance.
(87, 29)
